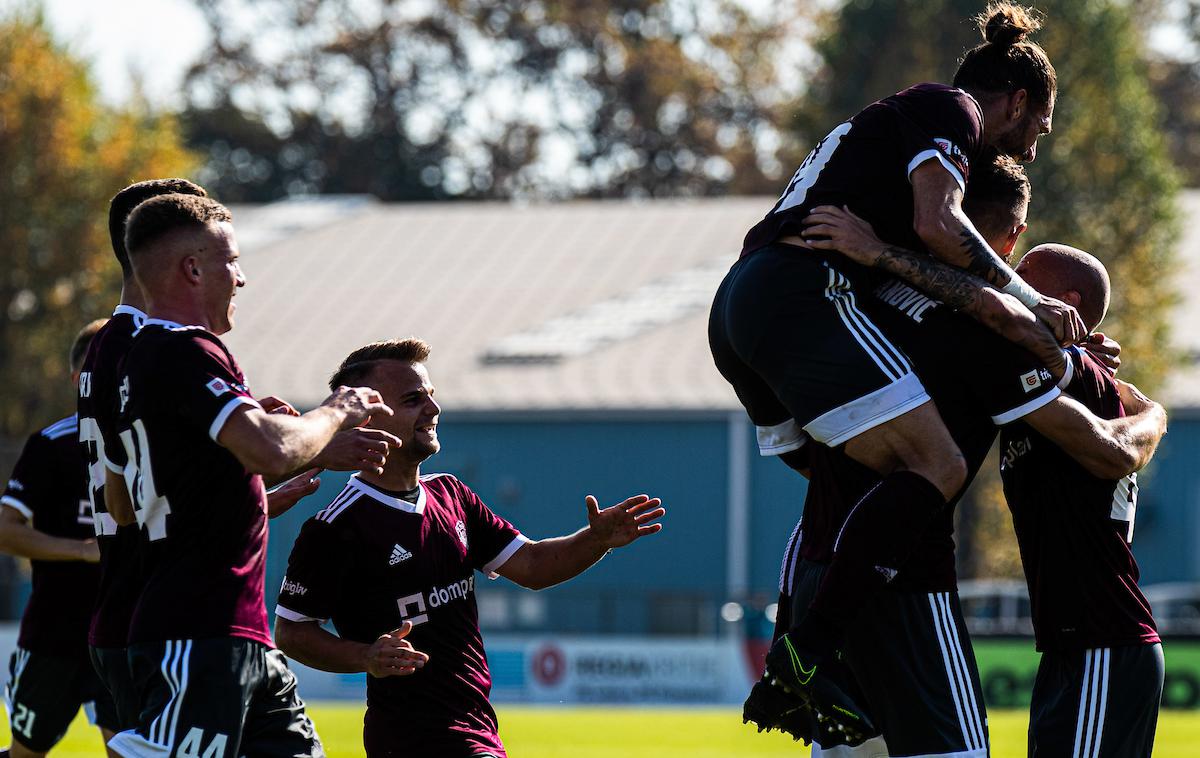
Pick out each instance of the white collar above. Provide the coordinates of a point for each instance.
(389, 500)
(129, 310)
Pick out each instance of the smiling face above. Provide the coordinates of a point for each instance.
(406, 388)
(219, 275)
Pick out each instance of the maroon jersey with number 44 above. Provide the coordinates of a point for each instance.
(370, 561)
(203, 515)
(1074, 531)
(48, 486)
(99, 406)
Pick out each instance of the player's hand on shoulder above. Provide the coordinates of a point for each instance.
(626, 521)
(272, 404)
(829, 227)
(89, 551)
(1104, 349)
(358, 404)
(357, 449)
(1062, 319)
(392, 655)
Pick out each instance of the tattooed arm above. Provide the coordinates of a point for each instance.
(939, 220)
(831, 228)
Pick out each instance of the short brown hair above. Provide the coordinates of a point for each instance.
(357, 366)
(79, 347)
(161, 215)
(123, 203)
(1006, 61)
(997, 191)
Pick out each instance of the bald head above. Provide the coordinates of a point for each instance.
(1071, 275)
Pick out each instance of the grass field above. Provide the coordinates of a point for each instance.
(536, 732)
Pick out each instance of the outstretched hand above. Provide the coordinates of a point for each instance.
(626, 521)
(392, 655)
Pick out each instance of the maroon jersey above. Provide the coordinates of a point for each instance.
(370, 561)
(203, 515)
(1074, 531)
(99, 407)
(984, 383)
(49, 487)
(865, 163)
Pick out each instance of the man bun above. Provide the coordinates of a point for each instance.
(1006, 24)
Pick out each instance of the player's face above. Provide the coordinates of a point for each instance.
(222, 275)
(1034, 120)
(406, 388)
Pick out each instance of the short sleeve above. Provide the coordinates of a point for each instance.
(492, 539)
(942, 125)
(210, 385)
(316, 568)
(31, 486)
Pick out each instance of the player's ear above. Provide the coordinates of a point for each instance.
(1071, 298)
(1017, 102)
(1013, 236)
(190, 265)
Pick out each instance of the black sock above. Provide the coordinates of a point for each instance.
(876, 538)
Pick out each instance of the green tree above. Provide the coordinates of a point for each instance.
(1102, 181)
(485, 98)
(63, 156)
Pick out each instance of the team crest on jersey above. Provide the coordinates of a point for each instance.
(951, 150)
(461, 528)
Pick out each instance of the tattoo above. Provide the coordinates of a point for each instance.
(982, 261)
(953, 286)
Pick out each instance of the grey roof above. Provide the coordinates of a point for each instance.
(588, 305)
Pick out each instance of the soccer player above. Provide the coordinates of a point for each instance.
(392, 562)
(210, 681)
(98, 405)
(787, 329)
(1100, 679)
(914, 637)
(46, 516)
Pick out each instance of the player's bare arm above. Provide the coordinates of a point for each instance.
(1107, 448)
(275, 445)
(281, 499)
(939, 219)
(389, 655)
(545, 563)
(17, 537)
(832, 228)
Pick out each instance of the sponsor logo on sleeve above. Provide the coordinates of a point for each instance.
(951, 150)
(15, 486)
(293, 588)
(1031, 381)
(218, 387)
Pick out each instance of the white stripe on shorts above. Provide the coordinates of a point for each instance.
(1093, 702)
(957, 676)
(837, 293)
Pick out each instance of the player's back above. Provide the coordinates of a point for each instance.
(49, 487)
(98, 410)
(203, 515)
(865, 163)
(1075, 529)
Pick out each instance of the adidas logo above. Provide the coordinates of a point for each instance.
(398, 554)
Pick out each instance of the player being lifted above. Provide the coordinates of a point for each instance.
(1100, 679)
(209, 678)
(788, 332)
(914, 638)
(45, 515)
(392, 562)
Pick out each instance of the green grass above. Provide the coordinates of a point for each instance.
(540, 732)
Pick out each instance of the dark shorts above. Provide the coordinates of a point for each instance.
(44, 694)
(909, 662)
(1096, 703)
(787, 332)
(222, 698)
(112, 666)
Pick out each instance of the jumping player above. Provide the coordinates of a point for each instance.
(209, 678)
(47, 517)
(392, 562)
(787, 328)
(1100, 679)
(914, 637)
